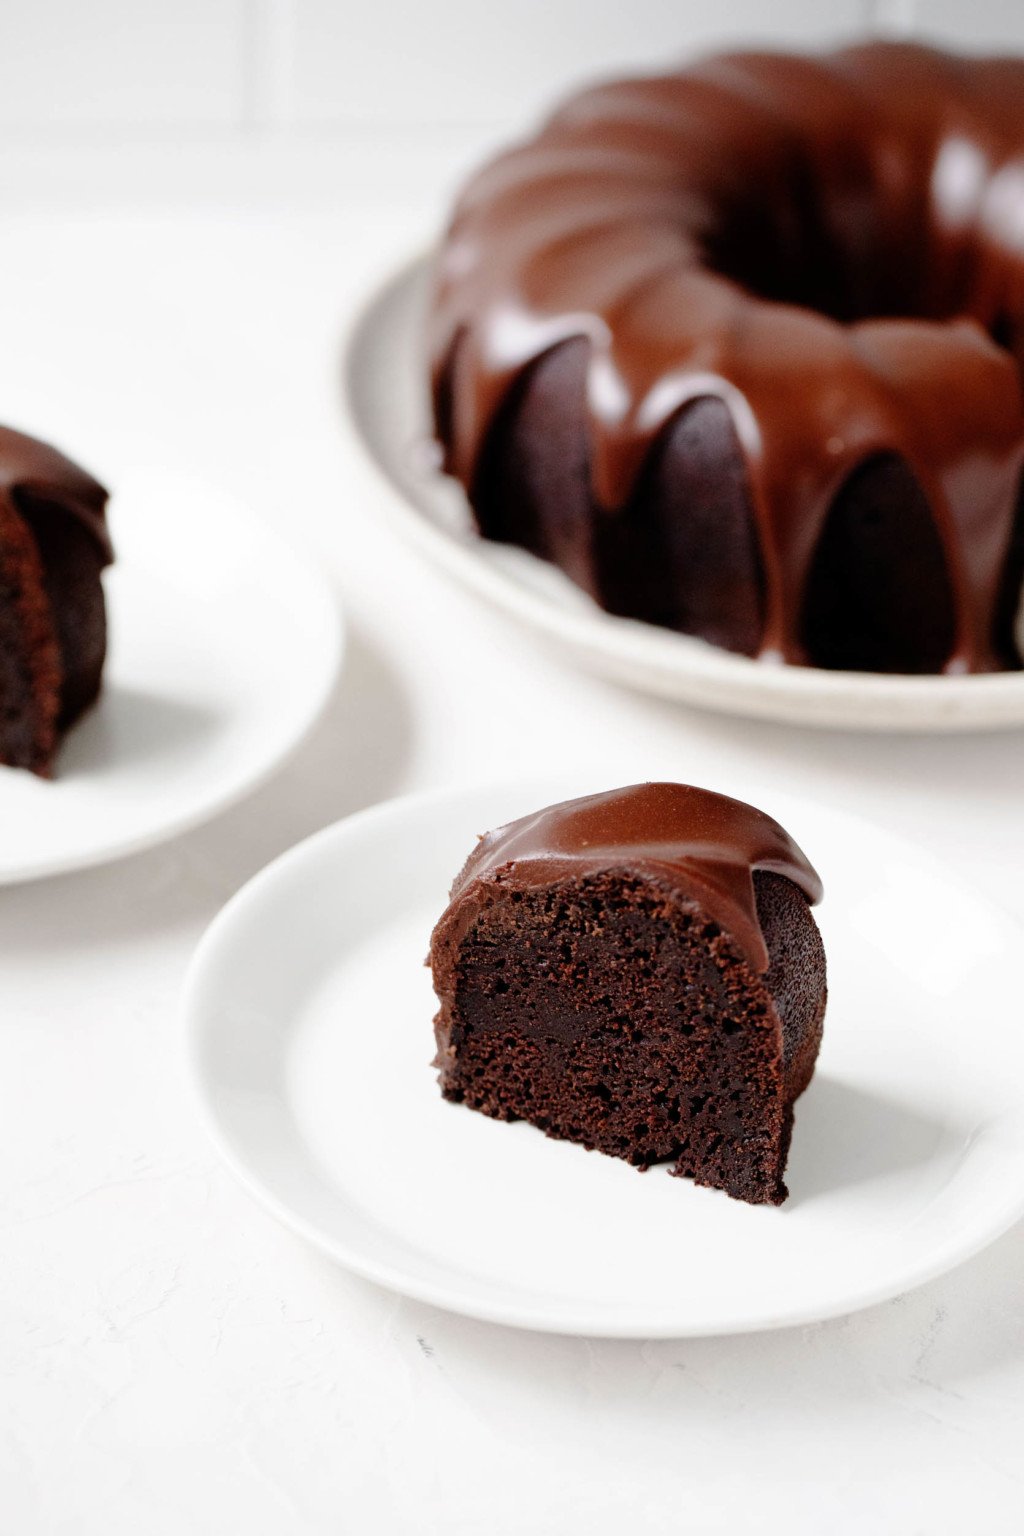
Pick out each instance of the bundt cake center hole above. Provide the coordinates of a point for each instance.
(850, 267)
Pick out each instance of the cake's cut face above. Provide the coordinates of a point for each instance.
(53, 547)
(740, 350)
(638, 972)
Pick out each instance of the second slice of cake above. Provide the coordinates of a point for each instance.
(638, 971)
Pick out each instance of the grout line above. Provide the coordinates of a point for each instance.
(268, 43)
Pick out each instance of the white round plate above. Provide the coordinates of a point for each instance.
(309, 1016)
(385, 380)
(224, 646)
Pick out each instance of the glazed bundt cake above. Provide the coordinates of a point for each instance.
(639, 972)
(739, 349)
(53, 634)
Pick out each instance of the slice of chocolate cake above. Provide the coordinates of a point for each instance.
(637, 971)
(54, 545)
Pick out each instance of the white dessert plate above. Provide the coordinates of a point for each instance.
(224, 646)
(389, 421)
(309, 1012)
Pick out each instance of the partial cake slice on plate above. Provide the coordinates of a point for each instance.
(54, 545)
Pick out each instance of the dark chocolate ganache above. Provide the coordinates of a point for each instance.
(707, 843)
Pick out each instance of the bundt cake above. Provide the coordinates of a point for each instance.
(639, 972)
(739, 349)
(53, 546)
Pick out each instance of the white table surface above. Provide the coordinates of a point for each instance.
(170, 1360)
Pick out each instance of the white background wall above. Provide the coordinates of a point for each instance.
(162, 67)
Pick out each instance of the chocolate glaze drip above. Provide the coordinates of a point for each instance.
(708, 843)
(832, 246)
(33, 470)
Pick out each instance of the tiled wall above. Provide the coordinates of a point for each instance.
(482, 58)
(235, 66)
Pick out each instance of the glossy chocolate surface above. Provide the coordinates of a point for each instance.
(33, 469)
(833, 246)
(698, 842)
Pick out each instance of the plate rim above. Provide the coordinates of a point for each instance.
(330, 615)
(458, 1295)
(615, 646)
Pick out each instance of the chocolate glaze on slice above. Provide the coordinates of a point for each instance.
(711, 842)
